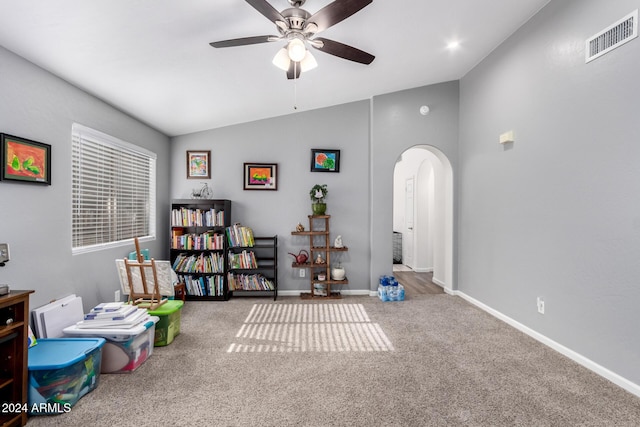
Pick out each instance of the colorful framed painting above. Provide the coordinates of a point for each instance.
(199, 164)
(325, 160)
(260, 176)
(25, 160)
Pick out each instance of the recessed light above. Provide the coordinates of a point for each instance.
(453, 45)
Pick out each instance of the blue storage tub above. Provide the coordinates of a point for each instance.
(61, 371)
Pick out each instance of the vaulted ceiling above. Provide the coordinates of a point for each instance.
(152, 58)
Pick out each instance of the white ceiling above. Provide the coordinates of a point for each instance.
(152, 59)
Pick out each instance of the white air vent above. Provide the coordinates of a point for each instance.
(612, 37)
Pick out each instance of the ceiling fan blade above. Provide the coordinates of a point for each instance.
(335, 12)
(244, 41)
(294, 70)
(267, 10)
(344, 51)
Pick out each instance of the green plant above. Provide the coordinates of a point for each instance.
(318, 193)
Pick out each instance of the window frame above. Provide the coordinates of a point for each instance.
(81, 134)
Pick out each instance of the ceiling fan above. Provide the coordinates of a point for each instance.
(298, 27)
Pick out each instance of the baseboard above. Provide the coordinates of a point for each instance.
(629, 386)
(438, 282)
(296, 293)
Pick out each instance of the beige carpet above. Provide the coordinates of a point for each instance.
(430, 360)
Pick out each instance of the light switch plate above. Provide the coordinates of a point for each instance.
(4, 252)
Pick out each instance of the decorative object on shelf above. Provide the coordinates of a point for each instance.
(322, 276)
(319, 259)
(24, 160)
(301, 258)
(338, 242)
(260, 176)
(199, 164)
(203, 192)
(317, 194)
(325, 160)
(338, 273)
(299, 228)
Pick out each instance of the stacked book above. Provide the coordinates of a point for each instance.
(113, 315)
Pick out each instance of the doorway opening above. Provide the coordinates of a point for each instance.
(423, 214)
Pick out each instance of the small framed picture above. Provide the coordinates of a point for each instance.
(323, 160)
(260, 176)
(199, 164)
(25, 160)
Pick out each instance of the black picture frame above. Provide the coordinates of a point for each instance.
(198, 164)
(260, 176)
(325, 160)
(24, 160)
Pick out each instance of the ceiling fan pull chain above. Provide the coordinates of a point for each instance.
(295, 87)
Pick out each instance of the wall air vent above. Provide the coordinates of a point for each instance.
(612, 37)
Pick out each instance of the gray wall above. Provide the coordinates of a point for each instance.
(556, 214)
(36, 220)
(396, 126)
(287, 141)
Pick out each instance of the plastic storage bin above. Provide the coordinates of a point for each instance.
(168, 327)
(61, 371)
(125, 349)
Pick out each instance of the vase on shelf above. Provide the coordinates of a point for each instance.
(338, 273)
(319, 208)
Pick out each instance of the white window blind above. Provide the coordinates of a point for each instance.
(113, 191)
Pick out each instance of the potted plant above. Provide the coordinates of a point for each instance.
(317, 194)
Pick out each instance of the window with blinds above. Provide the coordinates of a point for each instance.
(113, 191)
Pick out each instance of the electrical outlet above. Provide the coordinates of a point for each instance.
(117, 296)
(302, 272)
(540, 305)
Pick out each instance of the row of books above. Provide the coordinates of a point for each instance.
(245, 259)
(212, 262)
(196, 241)
(185, 217)
(249, 282)
(240, 236)
(203, 286)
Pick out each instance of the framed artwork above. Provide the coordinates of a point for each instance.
(325, 160)
(25, 160)
(260, 176)
(199, 164)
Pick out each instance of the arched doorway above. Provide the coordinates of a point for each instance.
(423, 212)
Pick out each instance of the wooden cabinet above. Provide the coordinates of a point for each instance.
(322, 285)
(253, 270)
(14, 321)
(199, 247)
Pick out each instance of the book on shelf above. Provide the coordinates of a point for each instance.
(187, 217)
(203, 263)
(203, 286)
(205, 241)
(245, 259)
(249, 282)
(240, 236)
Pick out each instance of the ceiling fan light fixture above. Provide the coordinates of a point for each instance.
(281, 60)
(296, 50)
(308, 63)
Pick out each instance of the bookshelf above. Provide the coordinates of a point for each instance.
(318, 234)
(252, 264)
(198, 251)
(14, 320)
